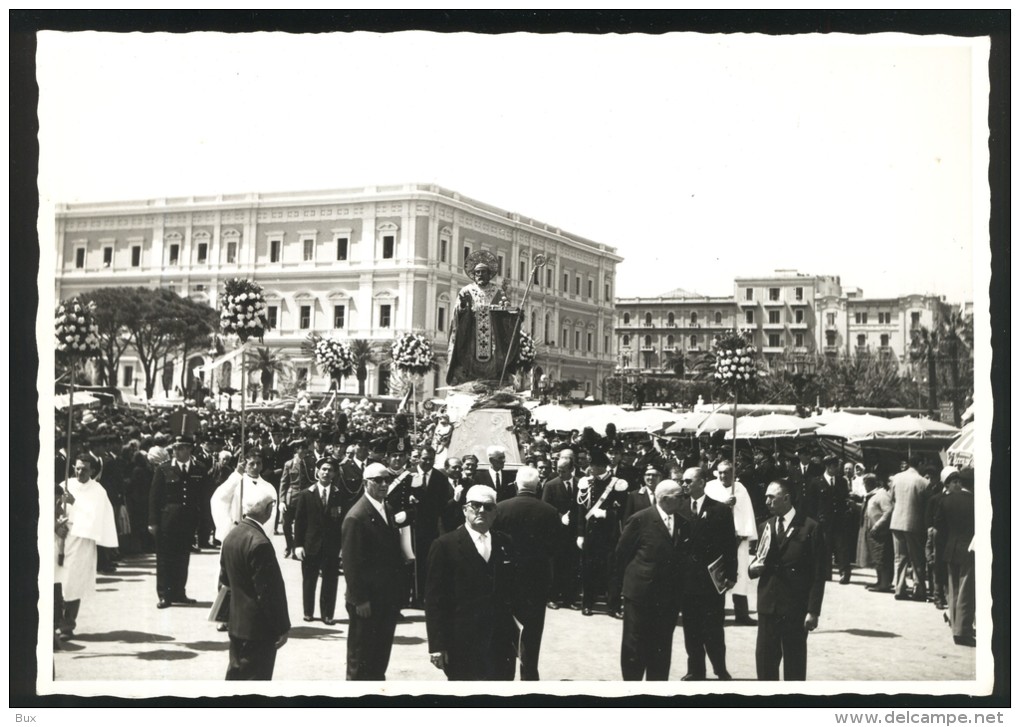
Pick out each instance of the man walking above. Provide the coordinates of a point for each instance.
(792, 563)
(648, 556)
(174, 511)
(258, 622)
(561, 493)
(374, 572)
(317, 540)
(534, 527)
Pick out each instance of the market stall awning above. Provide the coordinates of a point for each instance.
(772, 426)
(217, 362)
(961, 452)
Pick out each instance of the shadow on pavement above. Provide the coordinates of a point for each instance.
(107, 579)
(411, 619)
(207, 645)
(165, 655)
(200, 604)
(863, 632)
(311, 632)
(407, 640)
(125, 637)
(120, 573)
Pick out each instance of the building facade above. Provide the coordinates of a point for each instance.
(788, 315)
(367, 263)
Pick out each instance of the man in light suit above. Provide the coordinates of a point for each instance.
(534, 527)
(706, 537)
(648, 557)
(469, 596)
(318, 516)
(497, 476)
(374, 571)
(793, 563)
(258, 621)
(907, 492)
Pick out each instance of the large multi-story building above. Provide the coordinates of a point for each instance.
(788, 316)
(366, 263)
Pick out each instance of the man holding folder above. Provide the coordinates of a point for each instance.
(708, 560)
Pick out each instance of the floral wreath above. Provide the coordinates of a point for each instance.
(335, 357)
(243, 311)
(735, 364)
(76, 329)
(526, 354)
(412, 353)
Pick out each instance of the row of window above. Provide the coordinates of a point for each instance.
(862, 340)
(884, 318)
(671, 319)
(670, 341)
(774, 294)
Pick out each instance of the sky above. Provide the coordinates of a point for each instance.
(699, 157)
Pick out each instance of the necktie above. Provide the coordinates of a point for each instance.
(486, 551)
(495, 479)
(694, 507)
(781, 528)
(325, 496)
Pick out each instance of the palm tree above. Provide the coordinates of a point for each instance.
(924, 346)
(364, 354)
(266, 363)
(956, 331)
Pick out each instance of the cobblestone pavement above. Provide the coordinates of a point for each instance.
(121, 635)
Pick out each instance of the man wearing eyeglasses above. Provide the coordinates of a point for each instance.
(707, 540)
(374, 572)
(792, 562)
(468, 596)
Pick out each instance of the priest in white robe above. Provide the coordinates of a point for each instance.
(730, 492)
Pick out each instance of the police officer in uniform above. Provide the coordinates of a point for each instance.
(174, 511)
(600, 497)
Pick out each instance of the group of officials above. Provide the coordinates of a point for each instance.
(483, 552)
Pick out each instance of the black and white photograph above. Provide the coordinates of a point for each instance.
(373, 363)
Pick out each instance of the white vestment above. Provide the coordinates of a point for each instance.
(743, 523)
(225, 502)
(91, 523)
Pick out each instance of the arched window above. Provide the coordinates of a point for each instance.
(648, 341)
(694, 341)
(718, 318)
(648, 319)
(671, 319)
(626, 340)
(694, 317)
(626, 318)
(670, 341)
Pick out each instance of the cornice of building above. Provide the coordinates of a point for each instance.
(353, 195)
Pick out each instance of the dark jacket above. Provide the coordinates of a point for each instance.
(468, 606)
(534, 527)
(373, 560)
(506, 489)
(792, 581)
(317, 528)
(636, 501)
(258, 598)
(955, 516)
(175, 502)
(432, 492)
(704, 539)
(649, 559)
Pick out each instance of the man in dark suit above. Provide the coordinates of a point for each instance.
(802, 479)
(618, 468)
(296, 477)
(648, 557)
(350, 482)
(534, 527)
(174, 510)
(258, 621)
(598, 530)
(431, 491)
(955, 517)
(374, 571)
(707, 537)
(317, 539)
(561, 493)
(792, 563)
(644, 496)
(469, 596)
(833, 514)
(497, 476)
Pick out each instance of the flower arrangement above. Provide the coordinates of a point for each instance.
(243, 310)
(412, 353)
(526, 354)
(335, 357)
(76, 330)
(735, 365)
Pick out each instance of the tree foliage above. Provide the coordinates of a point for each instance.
(113, 310)
(364, 355)
(267, 363)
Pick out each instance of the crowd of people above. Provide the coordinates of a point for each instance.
(631, 527)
